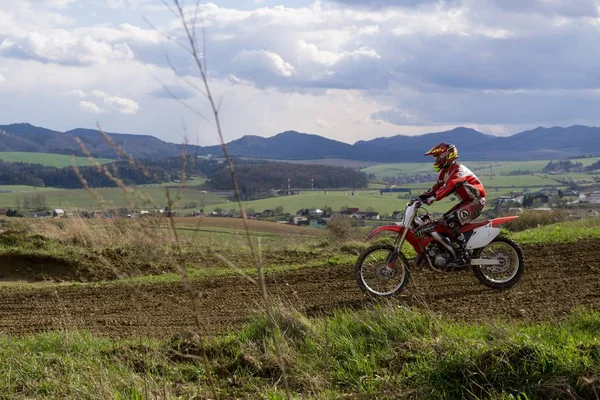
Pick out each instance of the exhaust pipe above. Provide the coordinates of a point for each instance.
(444, 241)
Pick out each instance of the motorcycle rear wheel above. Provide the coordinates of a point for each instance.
(500, 277)
(373, 275)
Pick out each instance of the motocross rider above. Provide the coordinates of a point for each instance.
(456, 179)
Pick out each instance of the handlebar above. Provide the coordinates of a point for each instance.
(415, 200)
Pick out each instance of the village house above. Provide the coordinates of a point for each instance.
(350, 211)
(397, 214)
(268, 213)
(366, 215)
(319, 223)
(372, 215)
(592, 198)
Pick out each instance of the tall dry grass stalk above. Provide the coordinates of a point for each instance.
(88, 234)
(198, 54)
(144, 234)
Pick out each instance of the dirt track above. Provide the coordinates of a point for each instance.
(557, 279)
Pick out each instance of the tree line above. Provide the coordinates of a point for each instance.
(269, 176)
(570, 166)
(20, 173)
(252, 175)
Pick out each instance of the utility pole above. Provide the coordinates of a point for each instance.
(289, 188)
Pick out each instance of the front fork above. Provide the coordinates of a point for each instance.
(397, 246)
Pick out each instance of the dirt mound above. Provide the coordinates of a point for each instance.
(31, 267)
(32, 259)
(557, 278)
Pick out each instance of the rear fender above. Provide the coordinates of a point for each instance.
(483, 236)
(499, 221)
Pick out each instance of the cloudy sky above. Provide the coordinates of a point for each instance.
(345, 69)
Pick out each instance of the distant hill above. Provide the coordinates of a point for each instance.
(536, 144)
(288, 145)
(28, 138)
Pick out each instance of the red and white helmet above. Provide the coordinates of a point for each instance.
(445, 154)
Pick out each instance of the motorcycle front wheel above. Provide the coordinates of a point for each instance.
(381, 271)
(500, 276)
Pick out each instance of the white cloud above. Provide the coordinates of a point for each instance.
(369, 30)
(20, 17)
(2, 78)
(322, 124)
(75, 93)
(329, 58)
(116, 3)
(47, 3)
(120, 104)
(90, 107)
(264, 60)
(346, 72)
(62, 47)
(124, 33)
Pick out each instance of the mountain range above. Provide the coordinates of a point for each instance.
(537, 144)
(28, 138)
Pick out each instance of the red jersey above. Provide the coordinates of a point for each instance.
(460, 180)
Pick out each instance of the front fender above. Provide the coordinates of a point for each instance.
(410, 238)
(389, 228)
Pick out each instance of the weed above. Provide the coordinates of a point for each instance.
(340, 228)
(535, 219)
(381, 352)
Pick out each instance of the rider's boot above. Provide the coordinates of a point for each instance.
(462, 253)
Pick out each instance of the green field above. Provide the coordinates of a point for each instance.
(50, 160)
(481, 168)
(493, 175)
(503, 182)
(148, 196)
(495, 180)
(384, 204)
(25, 189)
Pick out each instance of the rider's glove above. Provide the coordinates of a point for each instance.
(429, 200)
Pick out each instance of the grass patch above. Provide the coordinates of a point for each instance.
(364, 199)
(71, 199)
(563, 232)
(79, 250)
(382, 352)
(199, 273)
(49, 159)
(534, 219)
(83, 250)
(481, 168)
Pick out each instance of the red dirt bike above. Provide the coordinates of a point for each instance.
(382, 270)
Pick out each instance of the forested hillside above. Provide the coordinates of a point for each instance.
(252, 178)
(537, 144)
(252, 175)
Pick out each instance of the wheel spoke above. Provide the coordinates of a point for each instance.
(508, 257)
(377, 277)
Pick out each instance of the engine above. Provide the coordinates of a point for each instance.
(439, 255)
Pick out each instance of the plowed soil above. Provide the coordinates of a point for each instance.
(557, 278)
